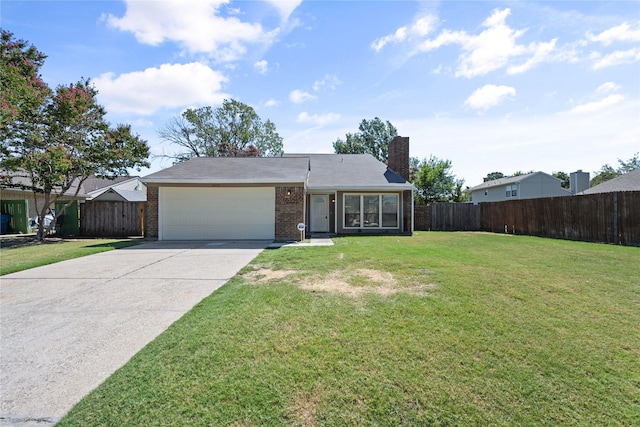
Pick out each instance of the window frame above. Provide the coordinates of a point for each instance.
(361, 213)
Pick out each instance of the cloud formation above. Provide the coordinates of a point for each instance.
(591, 107)
(489, 96)
(299, 96)
(197, 26)
(493, 48)
(167, 86)
(317, 119)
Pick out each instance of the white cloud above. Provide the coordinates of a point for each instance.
(329, 81)
(262, 66)
(622, 33)
(608, 87)
(616, 58)
(591, 107)
(541, 52)
(298, 96)
(285, 7)
(317, 119)
(168, 86)
(489, 96)
(420, 28)
(272, 103)
(494, 48)
(195, 25)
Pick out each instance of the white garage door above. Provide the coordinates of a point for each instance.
(216, 213)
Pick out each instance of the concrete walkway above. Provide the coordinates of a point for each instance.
(66, 327)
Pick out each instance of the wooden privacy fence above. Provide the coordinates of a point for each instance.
(605, 217)
(111, 219)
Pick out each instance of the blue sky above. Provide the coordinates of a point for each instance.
(491, 86)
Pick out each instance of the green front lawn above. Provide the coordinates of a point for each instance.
(439, 329)
(25, 254)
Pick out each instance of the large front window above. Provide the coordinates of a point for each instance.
(371, 211)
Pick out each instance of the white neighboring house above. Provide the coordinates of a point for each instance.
(530, 186)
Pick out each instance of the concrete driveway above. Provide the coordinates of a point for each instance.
(66, 327)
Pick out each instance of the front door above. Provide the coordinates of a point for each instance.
(319, 213)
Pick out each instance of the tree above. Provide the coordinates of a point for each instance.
(231, 130)
(435, 182)
(608, 172)
(493, 176)
(373, 138)
(62, 145)
(22, 90)
(564, 177)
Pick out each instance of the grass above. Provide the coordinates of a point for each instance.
(20, 253)
(438, 329)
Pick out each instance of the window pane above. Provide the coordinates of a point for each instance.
(352, 211)
(390, 211)
(371, 211)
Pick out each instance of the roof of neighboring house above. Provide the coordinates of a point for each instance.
(319, 171)
(352, 172)
(508, 180)
(224, 170)
(94, 183)
(124, 195)
(630, 181)
(21, 179)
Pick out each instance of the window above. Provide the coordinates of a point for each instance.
(371, 211)
(512, 190)
(351, 211)
(390, 210)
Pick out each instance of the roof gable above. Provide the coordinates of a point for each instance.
(511, 180)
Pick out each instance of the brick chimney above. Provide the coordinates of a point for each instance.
(398, 156)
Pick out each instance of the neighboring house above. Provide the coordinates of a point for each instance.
(630, 181)
(530, 186)
(267, 197)
(13, 194)
(95, 186)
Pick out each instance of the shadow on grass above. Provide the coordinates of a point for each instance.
(116, 245)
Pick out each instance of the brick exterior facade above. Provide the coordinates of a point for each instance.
(151, 213)
(289, 212)
(398, 156)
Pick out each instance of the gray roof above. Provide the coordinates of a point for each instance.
(94, 183)
(351, 172)
(318, 171)
(224, 170)
(125, 195)
(628, 182)
(507, 180)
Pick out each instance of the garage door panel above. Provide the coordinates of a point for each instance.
(217, 213)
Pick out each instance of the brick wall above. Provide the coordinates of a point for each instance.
(151, 213)
(422, 215)
(289, 212)
(398, 156)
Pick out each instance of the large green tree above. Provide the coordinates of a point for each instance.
(233, 129)
(373, 138)
(435, 182)
(52, 141)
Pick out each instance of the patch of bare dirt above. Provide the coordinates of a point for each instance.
(303, 409)
(262, 275)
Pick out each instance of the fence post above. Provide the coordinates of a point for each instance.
(616, 237)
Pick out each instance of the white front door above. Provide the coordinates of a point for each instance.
(319, 213)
